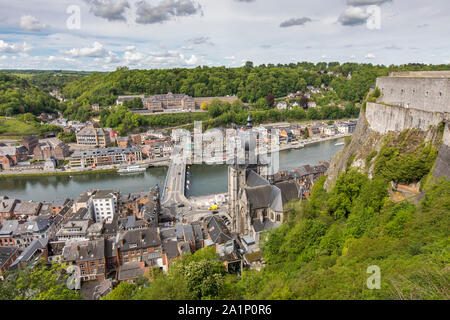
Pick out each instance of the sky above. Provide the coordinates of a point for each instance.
(102, 35)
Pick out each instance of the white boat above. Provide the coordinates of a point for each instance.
(339, 144)
(131, 169)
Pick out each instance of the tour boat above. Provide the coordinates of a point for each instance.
(339, 144)
(131, 169)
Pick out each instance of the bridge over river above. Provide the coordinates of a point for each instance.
(174, 186)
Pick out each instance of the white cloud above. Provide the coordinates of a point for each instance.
(132, 56)
(366, 2)
(111, 10)
(370, 56)
(97, 51)
(30, 23)
(166, 10)
(15, 47)
(353, 16)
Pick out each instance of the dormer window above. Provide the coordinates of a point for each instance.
(427, 94)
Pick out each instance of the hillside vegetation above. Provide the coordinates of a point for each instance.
(18, 96)
(325, 247)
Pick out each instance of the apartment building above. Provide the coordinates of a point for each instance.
(52, 147)
(104, 205)
(105, 157)
(93, 137)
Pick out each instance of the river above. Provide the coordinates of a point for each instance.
(204, 179)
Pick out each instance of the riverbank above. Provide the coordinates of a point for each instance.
(150, 164)
(205, 179)
(57, 173)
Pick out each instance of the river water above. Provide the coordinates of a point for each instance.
(204, 180)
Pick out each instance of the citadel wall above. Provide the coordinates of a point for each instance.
(383, 118)
(422, 93)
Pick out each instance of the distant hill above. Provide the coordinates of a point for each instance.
(18, 95)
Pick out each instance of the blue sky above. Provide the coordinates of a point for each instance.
(34, 34)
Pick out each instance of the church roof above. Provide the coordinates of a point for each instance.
(276, 199)
(255, 180)
(259, 197)
(289, 190)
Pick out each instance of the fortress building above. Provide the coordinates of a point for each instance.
(169, 102)
(410, 100)
(255, 204)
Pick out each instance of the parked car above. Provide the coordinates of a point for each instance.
(181, 205)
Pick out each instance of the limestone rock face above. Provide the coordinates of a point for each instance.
(375, 125)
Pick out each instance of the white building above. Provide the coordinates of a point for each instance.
(343, 128)
(330, 131)
(282, 105)
(104, 204)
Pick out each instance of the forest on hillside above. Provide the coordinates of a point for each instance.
(260, 86)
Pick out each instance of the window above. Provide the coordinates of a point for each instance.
(82, 266)
(427, 93)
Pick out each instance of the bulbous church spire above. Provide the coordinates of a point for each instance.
(249, 122)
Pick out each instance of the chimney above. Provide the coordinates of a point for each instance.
(141, 236)
(121, 243)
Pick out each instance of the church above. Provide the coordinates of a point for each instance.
(255, 202)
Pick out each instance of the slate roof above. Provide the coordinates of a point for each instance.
(130, 270)
(7, 205)
(81, 214)
(27, 208)
(131, 239)
(35, 226)
(104, 194)
(84, 251)
(198, 231)
(188, 232)
(168, 234)
(217, 230)
(110, 248)
(255, 180)
(259, 197)
(27, 254)
(6, 253)
(170, 248)
(59, 202)
(9, 227)
(289, 190)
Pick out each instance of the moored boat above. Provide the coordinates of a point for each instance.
(131, 169)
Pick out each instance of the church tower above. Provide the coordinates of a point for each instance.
(237, 175)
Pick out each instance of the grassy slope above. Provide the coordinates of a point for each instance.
(15, 129)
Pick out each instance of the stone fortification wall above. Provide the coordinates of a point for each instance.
(426, 94)
(383, 118)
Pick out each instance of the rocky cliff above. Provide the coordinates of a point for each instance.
(381, 122)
